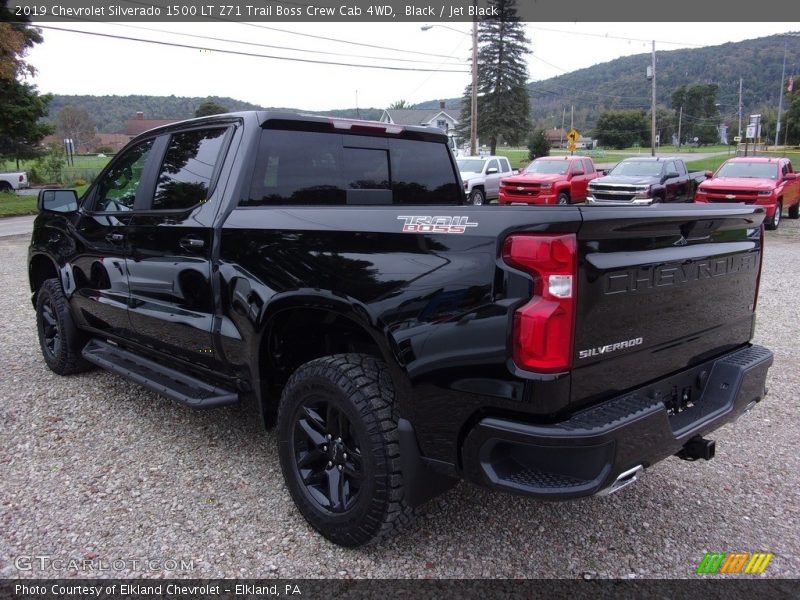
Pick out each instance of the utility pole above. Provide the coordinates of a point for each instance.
(563, 118)
(473, 124)
(780, 102)
(680, 118)
(572, 117)
(740, 108)
(653, 106)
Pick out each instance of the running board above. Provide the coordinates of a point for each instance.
(173, 384)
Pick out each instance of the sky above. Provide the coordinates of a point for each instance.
(77, 63)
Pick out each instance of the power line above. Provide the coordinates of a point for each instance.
(216, 39)
(318, 37)
(615, 37)
(250, 54)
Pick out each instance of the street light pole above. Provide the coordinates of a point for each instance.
(473, 116)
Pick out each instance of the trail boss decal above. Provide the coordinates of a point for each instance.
(428, 224)
(610, 348)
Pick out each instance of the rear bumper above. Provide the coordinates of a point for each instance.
(587, 453)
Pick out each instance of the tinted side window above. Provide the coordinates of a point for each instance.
(314, 168)
(422, 173)
(588, 167)
(492, 165)
(505, 168)
(187, 169)
(116, 190)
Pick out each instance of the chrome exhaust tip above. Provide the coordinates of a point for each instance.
(623, 480)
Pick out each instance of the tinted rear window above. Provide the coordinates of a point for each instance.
(313, 168)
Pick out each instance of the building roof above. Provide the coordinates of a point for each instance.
(417, 116)
(135, 126)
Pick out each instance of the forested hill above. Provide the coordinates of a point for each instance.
(621, 83)
(111, 112)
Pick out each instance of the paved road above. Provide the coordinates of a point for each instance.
(16, 225)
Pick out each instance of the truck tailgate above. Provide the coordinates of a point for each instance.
(660, 289)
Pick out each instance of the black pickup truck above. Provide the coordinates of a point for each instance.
(646, 180)
(330, 271)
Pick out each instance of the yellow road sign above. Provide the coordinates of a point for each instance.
(573, 135)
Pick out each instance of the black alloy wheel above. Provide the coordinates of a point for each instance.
(328, 455)
(339, 448)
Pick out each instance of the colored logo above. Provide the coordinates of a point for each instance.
(734, 562)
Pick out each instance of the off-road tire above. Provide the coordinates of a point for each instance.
(563, 198)
(359, 387)
(61, 342)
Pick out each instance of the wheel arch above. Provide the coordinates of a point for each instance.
(41, 268)
(302, 327)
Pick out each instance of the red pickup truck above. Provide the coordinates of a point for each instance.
(768, 182)
(550, 180)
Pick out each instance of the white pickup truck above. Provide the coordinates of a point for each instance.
(481, 176)
(13, 181)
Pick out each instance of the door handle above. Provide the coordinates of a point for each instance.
(192, 243)
(115, 238)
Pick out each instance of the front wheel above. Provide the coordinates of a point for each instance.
(773, 223)
(477, 197)
(60, 340)
(339, 448)
(563, 198)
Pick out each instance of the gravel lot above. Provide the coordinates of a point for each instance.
(94, 467)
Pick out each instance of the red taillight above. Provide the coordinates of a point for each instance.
(21, 178)
(544, 327)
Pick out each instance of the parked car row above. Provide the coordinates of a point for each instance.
(768, 182)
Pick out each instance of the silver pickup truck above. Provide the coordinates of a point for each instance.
(481, 176)
(13, 181)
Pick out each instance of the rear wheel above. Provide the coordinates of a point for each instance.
(794, 211)
(60, 340)
(563, 198)
(5, 187)
(477, 197)
(776, 218)
(339, 448)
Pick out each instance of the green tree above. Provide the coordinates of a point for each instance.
(76, 123)
(209, 108)
(400, 104)
(15, 40)
(622, 128)
(538, 144)
(700, 111)
(503, 105)
(21, 106)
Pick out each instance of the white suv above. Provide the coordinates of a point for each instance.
(481, 176)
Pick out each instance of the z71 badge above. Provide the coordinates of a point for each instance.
(428, 224)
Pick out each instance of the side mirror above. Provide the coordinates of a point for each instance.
(576, 173)
(491, 171)
(61, 201)
(709, 174)
(671, 175)
(790, 176)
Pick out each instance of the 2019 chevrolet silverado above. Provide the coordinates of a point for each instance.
(400, 340)
(481, 176)
(646, 180)
(768, 182)
(550, 180)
